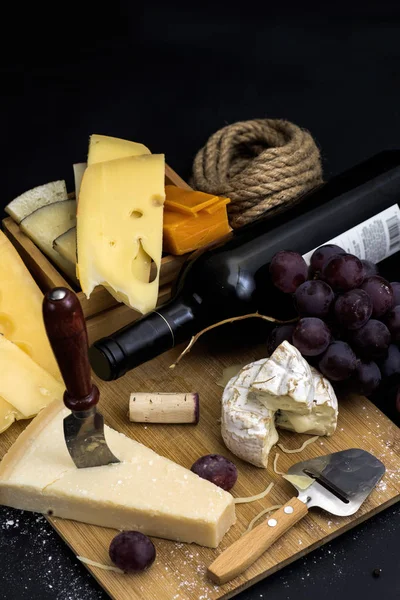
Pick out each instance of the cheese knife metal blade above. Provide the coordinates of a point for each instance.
(84, 427)
(339, 483)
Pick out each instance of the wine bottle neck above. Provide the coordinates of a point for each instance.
(154, 334)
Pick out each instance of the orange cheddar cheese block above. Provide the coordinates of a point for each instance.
(192, 219)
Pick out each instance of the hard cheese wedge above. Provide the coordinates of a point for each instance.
(47, 223)
(33, 199)
(23, 383)
(119, 228)
(103, 148)
(21, 309)
(65, 245)
(144, 492)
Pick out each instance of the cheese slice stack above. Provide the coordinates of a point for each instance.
(21, 310)
(119, 228)
(144, 492)
(23, 383)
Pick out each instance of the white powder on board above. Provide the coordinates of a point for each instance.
(29, 538)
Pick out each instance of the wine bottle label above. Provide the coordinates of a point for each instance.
(374, 239)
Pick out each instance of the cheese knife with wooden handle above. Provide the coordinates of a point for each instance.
(84, 427)
(339, 483)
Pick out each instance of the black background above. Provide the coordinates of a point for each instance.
(169, 74)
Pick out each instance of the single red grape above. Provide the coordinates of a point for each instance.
(313, 298)
(338, 362)
(353, 309)
(371, 340)
(343, 272)
(322, 254)
(132, 551)
(368, 377)
(288, 270)
(381, 294)
(311, 336)
(217, 469)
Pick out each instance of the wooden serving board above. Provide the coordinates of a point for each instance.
(179, 570)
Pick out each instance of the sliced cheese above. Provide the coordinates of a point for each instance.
(322, 420)
(285, 382)
(192, 219)
(65, 245)
(21, 300)
(46, 224)
(8, 414)
(104, 147)
(119, 229)
(144, 492)
(247, 426)
(33, 199)
(23, 383)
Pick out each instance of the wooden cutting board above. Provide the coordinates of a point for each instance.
(179, 570)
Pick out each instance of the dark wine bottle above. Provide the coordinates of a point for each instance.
(230, 277)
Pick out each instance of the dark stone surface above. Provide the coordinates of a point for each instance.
(168, 75)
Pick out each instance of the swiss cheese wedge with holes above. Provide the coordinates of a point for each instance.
(144, 492)
(21, 309)
(119, 228)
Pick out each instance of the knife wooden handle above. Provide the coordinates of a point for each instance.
(66, 329)
(248, 548)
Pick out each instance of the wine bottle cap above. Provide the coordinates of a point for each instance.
(106, 358)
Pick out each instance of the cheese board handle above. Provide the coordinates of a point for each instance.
(248, 548)
(66, 329)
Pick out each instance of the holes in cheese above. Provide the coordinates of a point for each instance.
(141, 265)
(136, 214)
(110, 191)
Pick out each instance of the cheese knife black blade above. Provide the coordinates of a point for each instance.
(84, 427)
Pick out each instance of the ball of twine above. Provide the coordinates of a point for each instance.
(262, 165)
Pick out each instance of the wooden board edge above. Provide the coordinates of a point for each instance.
(246, 585)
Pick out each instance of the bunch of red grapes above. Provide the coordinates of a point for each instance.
(349, 326)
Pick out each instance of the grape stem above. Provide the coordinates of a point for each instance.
(224, 322)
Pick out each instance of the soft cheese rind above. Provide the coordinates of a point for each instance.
(284, 381)
(144, 492)
(323, 417)
(247, 426)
